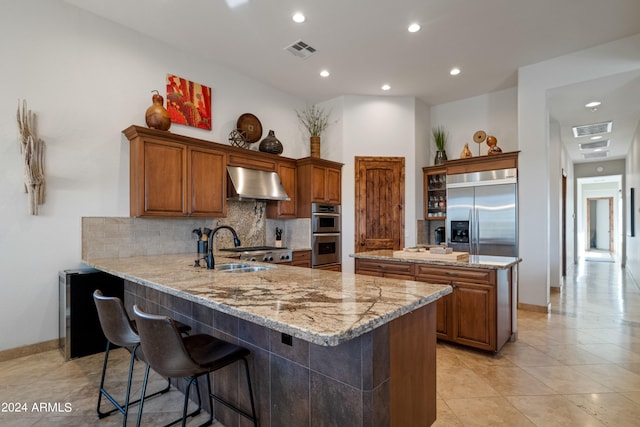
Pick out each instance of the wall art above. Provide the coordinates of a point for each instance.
(188, 103)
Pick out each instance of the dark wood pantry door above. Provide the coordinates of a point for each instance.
(379, 203)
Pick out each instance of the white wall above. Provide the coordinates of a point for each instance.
(633, 181)
(377, 126)
(88, 79)
(537, 207)
(496, 113)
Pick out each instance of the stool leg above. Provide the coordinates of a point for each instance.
(144, 389)
(253, 406)
(101, 389)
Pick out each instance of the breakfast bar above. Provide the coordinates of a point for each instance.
(327, 348)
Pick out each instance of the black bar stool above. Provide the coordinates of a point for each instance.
(120, 331)
(174, 356)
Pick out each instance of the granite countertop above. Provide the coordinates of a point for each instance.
(475, 261)
(322, 307)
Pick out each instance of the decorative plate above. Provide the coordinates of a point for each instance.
(251, 126)
(479, 136)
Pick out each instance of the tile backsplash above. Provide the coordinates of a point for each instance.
(104, 237)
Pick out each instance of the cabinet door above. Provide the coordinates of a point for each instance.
(333, 186)
(301, 259)
(318, 184)
(285, 209)
(206, 183)
(444, 314)
(474, 314)
(164, 179)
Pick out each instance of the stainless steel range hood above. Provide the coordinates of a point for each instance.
(252, 184)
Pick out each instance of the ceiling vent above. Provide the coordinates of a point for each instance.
(593, 145)
(593, 129)
(301, 49)
(595, 155)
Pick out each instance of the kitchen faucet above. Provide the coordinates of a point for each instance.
(209, 258)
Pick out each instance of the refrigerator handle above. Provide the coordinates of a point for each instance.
(477, 231)
(471, 226)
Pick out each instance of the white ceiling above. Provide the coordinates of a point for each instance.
(365, 43)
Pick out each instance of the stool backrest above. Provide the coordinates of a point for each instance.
(163, 345)
(115, 322)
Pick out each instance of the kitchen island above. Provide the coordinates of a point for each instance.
(481, 312)
(328, 348)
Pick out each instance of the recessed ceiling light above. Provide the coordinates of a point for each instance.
(325, 73)
(596, 137)
(299, 18)
(414, 28)
(593, 104)
(454, 71)
(386, 87)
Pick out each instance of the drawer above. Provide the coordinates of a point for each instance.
(386, 267)
(426, 272)
(301, 255)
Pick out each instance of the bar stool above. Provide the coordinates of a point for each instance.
(174, 356)
(120, 331)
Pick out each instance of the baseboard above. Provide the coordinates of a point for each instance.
(534, 308)
(27, 350)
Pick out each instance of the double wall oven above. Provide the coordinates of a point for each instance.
(325, 235)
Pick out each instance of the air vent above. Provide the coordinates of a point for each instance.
(592, 129)
(593, 145)
(596, 155)
(301, 49)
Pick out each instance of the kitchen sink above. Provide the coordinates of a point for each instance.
(231, 266)
(239, 267)
(249, 269)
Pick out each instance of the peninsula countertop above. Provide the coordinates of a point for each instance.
(318, 306)
(475, 261)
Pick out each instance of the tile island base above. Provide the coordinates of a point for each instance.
(385, 377)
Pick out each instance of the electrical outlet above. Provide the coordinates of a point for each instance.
(287, 339)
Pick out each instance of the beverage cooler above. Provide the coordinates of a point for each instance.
(80, 333)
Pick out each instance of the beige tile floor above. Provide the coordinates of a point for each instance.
(577, 366)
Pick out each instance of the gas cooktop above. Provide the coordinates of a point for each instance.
(252, 249)
(262, 253)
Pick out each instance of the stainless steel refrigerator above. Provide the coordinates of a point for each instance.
(482, 212)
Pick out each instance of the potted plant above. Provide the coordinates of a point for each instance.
(315, 119)
(440, 136)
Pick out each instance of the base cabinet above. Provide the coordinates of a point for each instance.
(476, 314)
(301, 259)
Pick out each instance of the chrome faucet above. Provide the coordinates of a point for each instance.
(209, 258)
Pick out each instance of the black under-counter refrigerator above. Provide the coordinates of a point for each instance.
(79, 328)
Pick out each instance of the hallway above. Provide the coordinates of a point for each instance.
(577, 366)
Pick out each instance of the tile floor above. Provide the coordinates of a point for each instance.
(577, 366)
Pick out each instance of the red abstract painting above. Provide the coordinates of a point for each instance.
(188, 103)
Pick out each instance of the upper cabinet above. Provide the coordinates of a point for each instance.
(285, 209)
(435, 192)
(170, 178)
(319, 181)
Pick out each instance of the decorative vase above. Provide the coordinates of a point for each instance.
(157, 117)
(441, 157)
(271, 144)
(315, 146)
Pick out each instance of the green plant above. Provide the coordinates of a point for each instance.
(440, 136)
(314, 119)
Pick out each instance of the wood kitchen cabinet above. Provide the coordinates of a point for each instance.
(301, 259)
(391, 269)
(477, 313)
(285, 209)
(173, 179)
(319, 181)
(435, 192)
